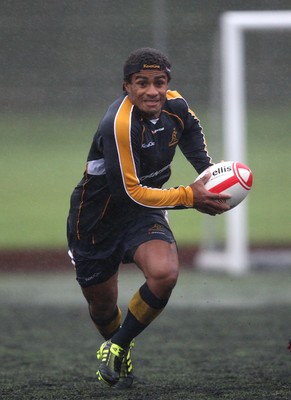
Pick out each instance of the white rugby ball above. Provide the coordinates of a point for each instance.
(230, 177)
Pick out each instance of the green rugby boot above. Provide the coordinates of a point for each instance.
(112, 357)
(126, 376)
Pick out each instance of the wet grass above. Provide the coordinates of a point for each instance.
(208, 351)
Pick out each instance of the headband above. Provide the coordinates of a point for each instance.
(132, 69)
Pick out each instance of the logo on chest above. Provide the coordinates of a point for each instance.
(158, 130)
(174, 140)
(147, 145)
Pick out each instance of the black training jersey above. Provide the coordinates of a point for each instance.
(130, 160)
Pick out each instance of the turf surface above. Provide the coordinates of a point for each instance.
(219, 338)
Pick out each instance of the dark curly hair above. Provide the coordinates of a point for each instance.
(145, 58)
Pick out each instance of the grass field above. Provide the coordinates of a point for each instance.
(219, 338)
(42, 157)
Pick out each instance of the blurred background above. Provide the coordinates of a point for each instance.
(61, 66)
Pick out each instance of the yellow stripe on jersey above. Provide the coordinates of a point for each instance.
(173, 94)
(146, 196)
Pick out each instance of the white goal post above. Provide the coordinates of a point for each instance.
(235, 257)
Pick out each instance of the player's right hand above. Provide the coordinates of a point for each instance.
(208, 202)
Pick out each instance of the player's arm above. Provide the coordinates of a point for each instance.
(193, 143)
(193, 146)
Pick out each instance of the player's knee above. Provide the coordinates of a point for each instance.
(171, 278)
(165, 278)
(100, 313)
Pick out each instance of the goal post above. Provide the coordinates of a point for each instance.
(235, 257)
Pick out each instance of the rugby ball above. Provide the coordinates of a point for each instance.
(230, 177)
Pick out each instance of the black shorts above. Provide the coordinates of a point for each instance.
(98, 256)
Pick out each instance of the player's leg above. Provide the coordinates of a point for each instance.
(151, 245)
(101, 294)
(103, 308)
(98, 281)
(159, 262)
(96, 264)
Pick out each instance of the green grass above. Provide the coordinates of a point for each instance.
(220, 337)
(42, 157)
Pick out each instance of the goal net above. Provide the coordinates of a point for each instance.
(234, 255)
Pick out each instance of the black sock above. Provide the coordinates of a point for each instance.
(142, 310)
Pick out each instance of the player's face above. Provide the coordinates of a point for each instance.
(147, 91)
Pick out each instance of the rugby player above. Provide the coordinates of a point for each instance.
(118, 210)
